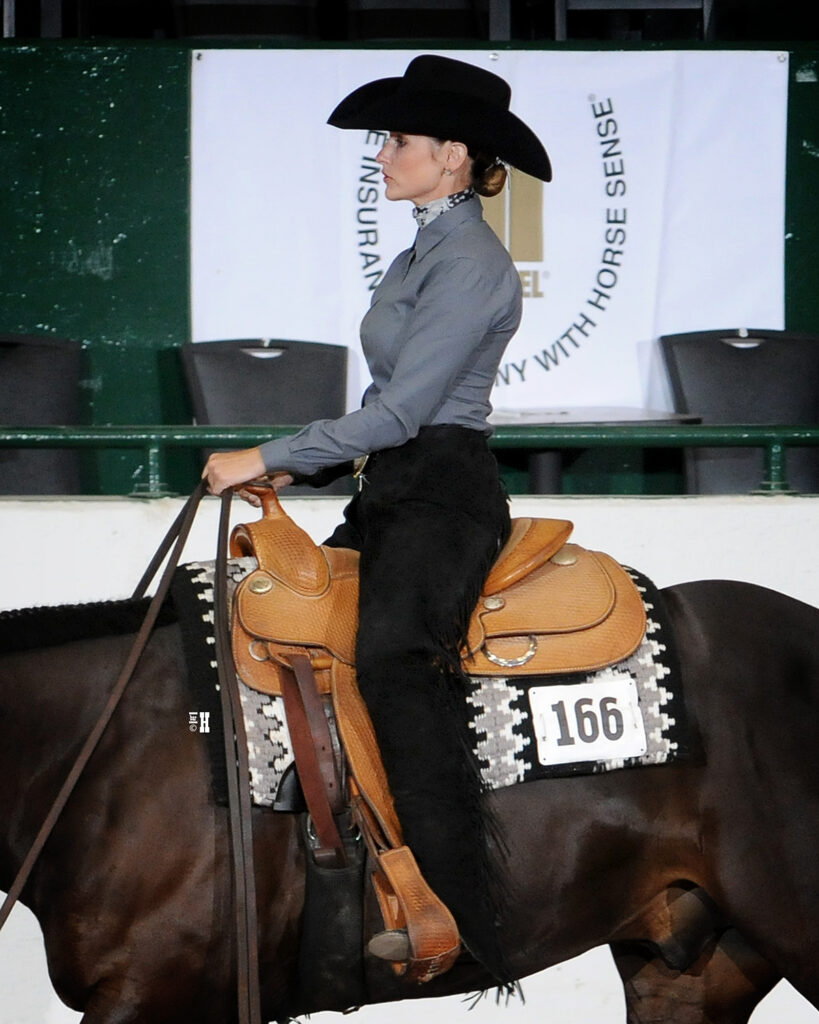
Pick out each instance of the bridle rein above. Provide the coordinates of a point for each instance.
(238, 773)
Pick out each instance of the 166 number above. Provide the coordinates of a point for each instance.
(590, 722)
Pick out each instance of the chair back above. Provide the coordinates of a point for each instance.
(247, 382)
(274, 19)
(745, 376)
(39, 386)
(419, 19)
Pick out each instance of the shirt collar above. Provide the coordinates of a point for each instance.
(425, 214)
(428, 237)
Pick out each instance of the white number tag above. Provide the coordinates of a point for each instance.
(589, 721)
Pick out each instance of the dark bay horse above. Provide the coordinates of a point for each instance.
(702, 875)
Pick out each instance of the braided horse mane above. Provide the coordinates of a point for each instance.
(52, 625)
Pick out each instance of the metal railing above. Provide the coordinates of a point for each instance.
(154, 441)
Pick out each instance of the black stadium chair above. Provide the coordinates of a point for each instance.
(419, 19)
(704, 8)
(745, 376)
(275, 19)
(39, 386)
(245, 382)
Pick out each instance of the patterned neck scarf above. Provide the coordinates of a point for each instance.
(424, 214)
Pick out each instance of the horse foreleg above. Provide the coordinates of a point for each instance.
(723, 986)
(116, 1004)
(109, 1005)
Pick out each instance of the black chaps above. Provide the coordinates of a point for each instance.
(429, 521)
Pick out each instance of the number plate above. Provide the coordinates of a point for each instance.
(588, 721)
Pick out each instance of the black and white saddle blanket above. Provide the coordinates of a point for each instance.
(623, 716)
(524, 727)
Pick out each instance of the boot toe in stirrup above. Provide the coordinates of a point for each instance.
(392, 944)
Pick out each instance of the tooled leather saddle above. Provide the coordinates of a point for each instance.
(548, 606)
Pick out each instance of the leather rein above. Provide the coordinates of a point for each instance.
(235, 748)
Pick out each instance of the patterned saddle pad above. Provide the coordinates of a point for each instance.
(524, 728)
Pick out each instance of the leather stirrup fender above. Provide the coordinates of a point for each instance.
(405, 899)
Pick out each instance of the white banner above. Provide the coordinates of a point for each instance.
(666, 212)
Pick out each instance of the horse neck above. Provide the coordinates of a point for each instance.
(48, 703)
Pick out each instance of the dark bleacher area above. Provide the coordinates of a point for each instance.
(734, 21)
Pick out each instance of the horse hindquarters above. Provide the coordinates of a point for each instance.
(751, 667)
(589, 854)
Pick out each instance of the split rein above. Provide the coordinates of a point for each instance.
(238, 773)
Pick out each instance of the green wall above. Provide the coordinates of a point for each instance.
(94, 155)
(802, 194)
(94, 212)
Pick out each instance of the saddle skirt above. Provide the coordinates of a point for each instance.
(547, 607)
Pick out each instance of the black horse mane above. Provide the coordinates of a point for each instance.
(52, 625)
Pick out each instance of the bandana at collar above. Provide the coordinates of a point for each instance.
(424, 214)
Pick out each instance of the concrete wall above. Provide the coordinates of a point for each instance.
(69, 550)
(65, 551)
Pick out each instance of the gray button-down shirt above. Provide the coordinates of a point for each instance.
(433, 338)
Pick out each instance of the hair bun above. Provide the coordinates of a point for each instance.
(488, 174)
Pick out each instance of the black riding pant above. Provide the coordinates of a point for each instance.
(429, 521)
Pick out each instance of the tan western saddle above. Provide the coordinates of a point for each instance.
(547, 607)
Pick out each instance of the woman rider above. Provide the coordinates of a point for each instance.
(431, 513)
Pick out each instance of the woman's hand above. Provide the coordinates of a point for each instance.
(274, 480)
(232, 469)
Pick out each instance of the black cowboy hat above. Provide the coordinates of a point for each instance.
(447, 99)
